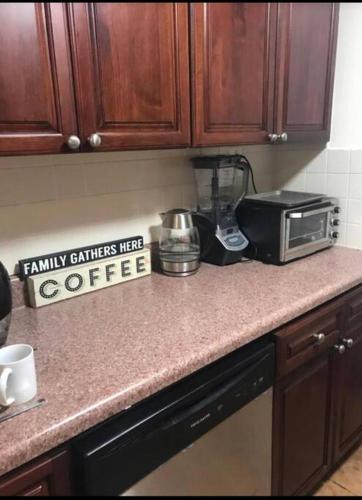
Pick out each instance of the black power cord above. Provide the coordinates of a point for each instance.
(252, 179)
(247, 162)
(251, 171)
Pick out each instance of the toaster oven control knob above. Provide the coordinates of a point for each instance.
(335, 222)
(337, 210)
(334, 235)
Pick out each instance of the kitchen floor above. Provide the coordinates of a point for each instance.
(347, 480)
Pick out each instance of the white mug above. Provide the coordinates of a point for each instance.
(17, 374)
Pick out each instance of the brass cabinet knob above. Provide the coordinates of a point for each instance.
(273, 138)
(95, 140)
(283, 137)
(319, 338)
(340, 348)
(73, 142)
(348, 343)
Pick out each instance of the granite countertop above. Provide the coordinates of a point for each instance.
(100, 353)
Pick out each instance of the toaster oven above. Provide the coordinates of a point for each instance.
(283, 226)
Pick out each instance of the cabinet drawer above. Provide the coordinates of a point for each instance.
(37, 490)
(354, 308)
(297, 342)
(46, 476)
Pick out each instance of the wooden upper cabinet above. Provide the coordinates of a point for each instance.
(119, 73)
(307, 35)
(37, 112)
(132, 73)
(233, 56)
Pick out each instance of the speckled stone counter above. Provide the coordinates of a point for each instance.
(103, 352)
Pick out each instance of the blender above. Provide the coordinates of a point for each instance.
(222, 182)
(5, 304)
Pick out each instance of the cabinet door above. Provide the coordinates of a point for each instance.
(132, 73)
(348, 382)
(233, 48)
(301, 428)
(306, 47)
(48, 476)
(37, 112)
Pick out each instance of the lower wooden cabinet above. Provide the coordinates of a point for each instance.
(302, 428)
(318, 405)
(49, 476)
(348, 387)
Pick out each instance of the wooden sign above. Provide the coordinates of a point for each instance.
(48, 288)
(77, 256)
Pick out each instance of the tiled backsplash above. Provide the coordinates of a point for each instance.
(55, 202)
(337, 172)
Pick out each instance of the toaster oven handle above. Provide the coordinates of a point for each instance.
(295, 215)
(308, 213)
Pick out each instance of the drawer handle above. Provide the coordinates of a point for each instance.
(348, 343)
(319, 338)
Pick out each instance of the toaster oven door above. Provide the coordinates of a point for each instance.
(305, 231)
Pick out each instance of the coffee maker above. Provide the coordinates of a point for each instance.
(222, 182)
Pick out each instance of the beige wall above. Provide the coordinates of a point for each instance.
(336, 170)
(347, 102)
(56, 202)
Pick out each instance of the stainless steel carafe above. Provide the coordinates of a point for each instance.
(179, 244)
(5, 304)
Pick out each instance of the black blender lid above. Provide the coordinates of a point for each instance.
(282, 198)
(219, 161)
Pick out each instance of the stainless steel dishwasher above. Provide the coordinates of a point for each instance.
(209, 434)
